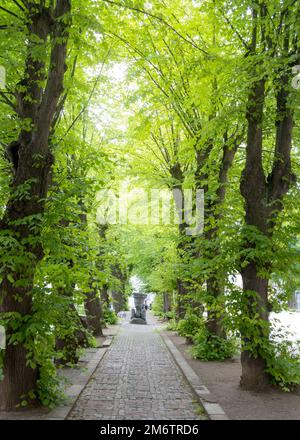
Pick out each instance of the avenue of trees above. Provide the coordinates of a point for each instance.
(158, 94)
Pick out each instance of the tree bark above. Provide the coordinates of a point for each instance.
(254, 191)
(92, 304)
(167, 303)
(214, 322)
(31, 164)
(213, 215)
(94, 313)
(254, 376)
(118, 300)
(105, 296)
(183, 290)
(263, 198)
(75, 328)
(118, 293)
(182, 299)
(19, 378)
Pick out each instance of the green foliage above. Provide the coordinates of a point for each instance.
(155, 108)
(190, 325)
(283, 364)
(157, 306)
(170, 315)
(172, 325)
(110, 317)
(50, 386)
(210, 347)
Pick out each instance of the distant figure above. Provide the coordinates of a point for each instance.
(122, 315)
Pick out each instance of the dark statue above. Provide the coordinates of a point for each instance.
(138, 314)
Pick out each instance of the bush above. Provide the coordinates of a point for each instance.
(169, 315)
(172, 325)
(281, 354)
(190, 325)
(157, 306)
(283, 363)
(110, 317)
(209, 347)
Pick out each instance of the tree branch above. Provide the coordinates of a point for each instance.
(83, 110)
(160, 19)
(10, 12)
(19, 6)
(54, 84)
(236, 31)
(7, 101)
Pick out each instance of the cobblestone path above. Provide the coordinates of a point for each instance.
(136, 379)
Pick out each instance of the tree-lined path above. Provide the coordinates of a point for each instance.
(137, 379)
(148, 147)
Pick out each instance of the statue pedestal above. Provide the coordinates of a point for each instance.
(138, 321)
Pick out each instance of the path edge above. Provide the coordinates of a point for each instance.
(74, 391)
(213, 410)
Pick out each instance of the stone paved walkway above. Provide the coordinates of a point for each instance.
(137, 379)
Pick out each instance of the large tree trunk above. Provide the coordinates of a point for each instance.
(254, 376)
(69, 345)
(105, 296)
(263, 200)
(213, 215)
(32, 160)
(254, 191)
(118, 294)
(183, 286)
(167, 303)
(73, 327)
(118, 300)
(183, 299)
(94, 313)
(255, 289)
(18, 377)
(92, 304)
(214, 322)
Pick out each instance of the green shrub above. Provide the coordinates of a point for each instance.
(50, 386)
(281, 354)
(157, 306)
(169, 315)
(172, 325)
(110, 317)
(283, 363)
(190, 325)
(209, 347)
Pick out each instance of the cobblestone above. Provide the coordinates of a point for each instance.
(136, 380)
